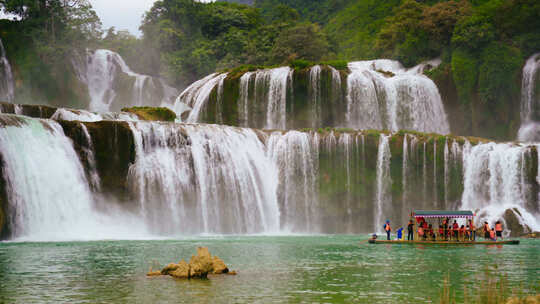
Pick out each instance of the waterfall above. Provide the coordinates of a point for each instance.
(276, 81)
(383, 197)
(315, 95)
(530, 102)
(494, 181)
(7, 91)
(381, 94)
(93, 175)
(243, 102)
(196, 96)
(296, 156)
(435, 196)
(405, 177)
(110, 90)
(424, 172)
(86, 116)
(48, 193)
(203, 179)
(345, 141)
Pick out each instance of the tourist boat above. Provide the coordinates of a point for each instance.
(440, 215)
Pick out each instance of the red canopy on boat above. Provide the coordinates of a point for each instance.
(443, 213)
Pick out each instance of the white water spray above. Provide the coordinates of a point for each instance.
(7, 90)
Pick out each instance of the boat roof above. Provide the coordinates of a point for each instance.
(443, 213)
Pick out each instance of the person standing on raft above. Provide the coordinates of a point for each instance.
(486, 230)
(388, 229)
(410, 229)
(499, 229)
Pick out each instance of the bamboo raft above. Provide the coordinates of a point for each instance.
(441, 214)
(508, 242)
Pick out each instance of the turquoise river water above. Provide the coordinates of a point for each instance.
(271, 269)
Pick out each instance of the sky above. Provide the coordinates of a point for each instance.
(123, 14)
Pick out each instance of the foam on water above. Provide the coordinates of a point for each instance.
(494, 181)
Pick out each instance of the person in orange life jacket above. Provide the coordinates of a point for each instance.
(462, 232)
(430, 233)
(410, 230)
(455, 228)
(486, 230)
(445, 226)
(441, 231)
(498, 229)
(388, 229)
(492, 234)
(472, 230)
(421, 232)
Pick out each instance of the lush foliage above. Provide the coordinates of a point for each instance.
(152, 113)
(48, 32)
(195, 39)
(482, 42)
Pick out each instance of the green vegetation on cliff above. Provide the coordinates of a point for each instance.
(152, 113)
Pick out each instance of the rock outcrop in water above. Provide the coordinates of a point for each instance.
(199, 267)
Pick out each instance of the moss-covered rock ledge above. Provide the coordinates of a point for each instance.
(152, 113)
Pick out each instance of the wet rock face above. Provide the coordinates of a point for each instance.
(114, 151)
(513, 224)
(152, 113)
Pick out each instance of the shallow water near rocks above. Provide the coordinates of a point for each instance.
(277, 269)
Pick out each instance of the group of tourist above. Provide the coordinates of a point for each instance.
(493, 233)
(446, 231)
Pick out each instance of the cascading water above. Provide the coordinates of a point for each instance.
(275, 82)
(530, 101)
(82, 115)
(296, 156)
(315, 95)
(494, 182)
(383, 198)
(48, 193)
(196, 96)
(203, 179)
(197, 179)
(93, 175)
(243, 102)
(383, 95)
(107, 89)
(7, 91)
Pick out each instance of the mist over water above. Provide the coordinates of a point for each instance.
(48, 193)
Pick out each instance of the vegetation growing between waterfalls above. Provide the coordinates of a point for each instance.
(152, 113)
